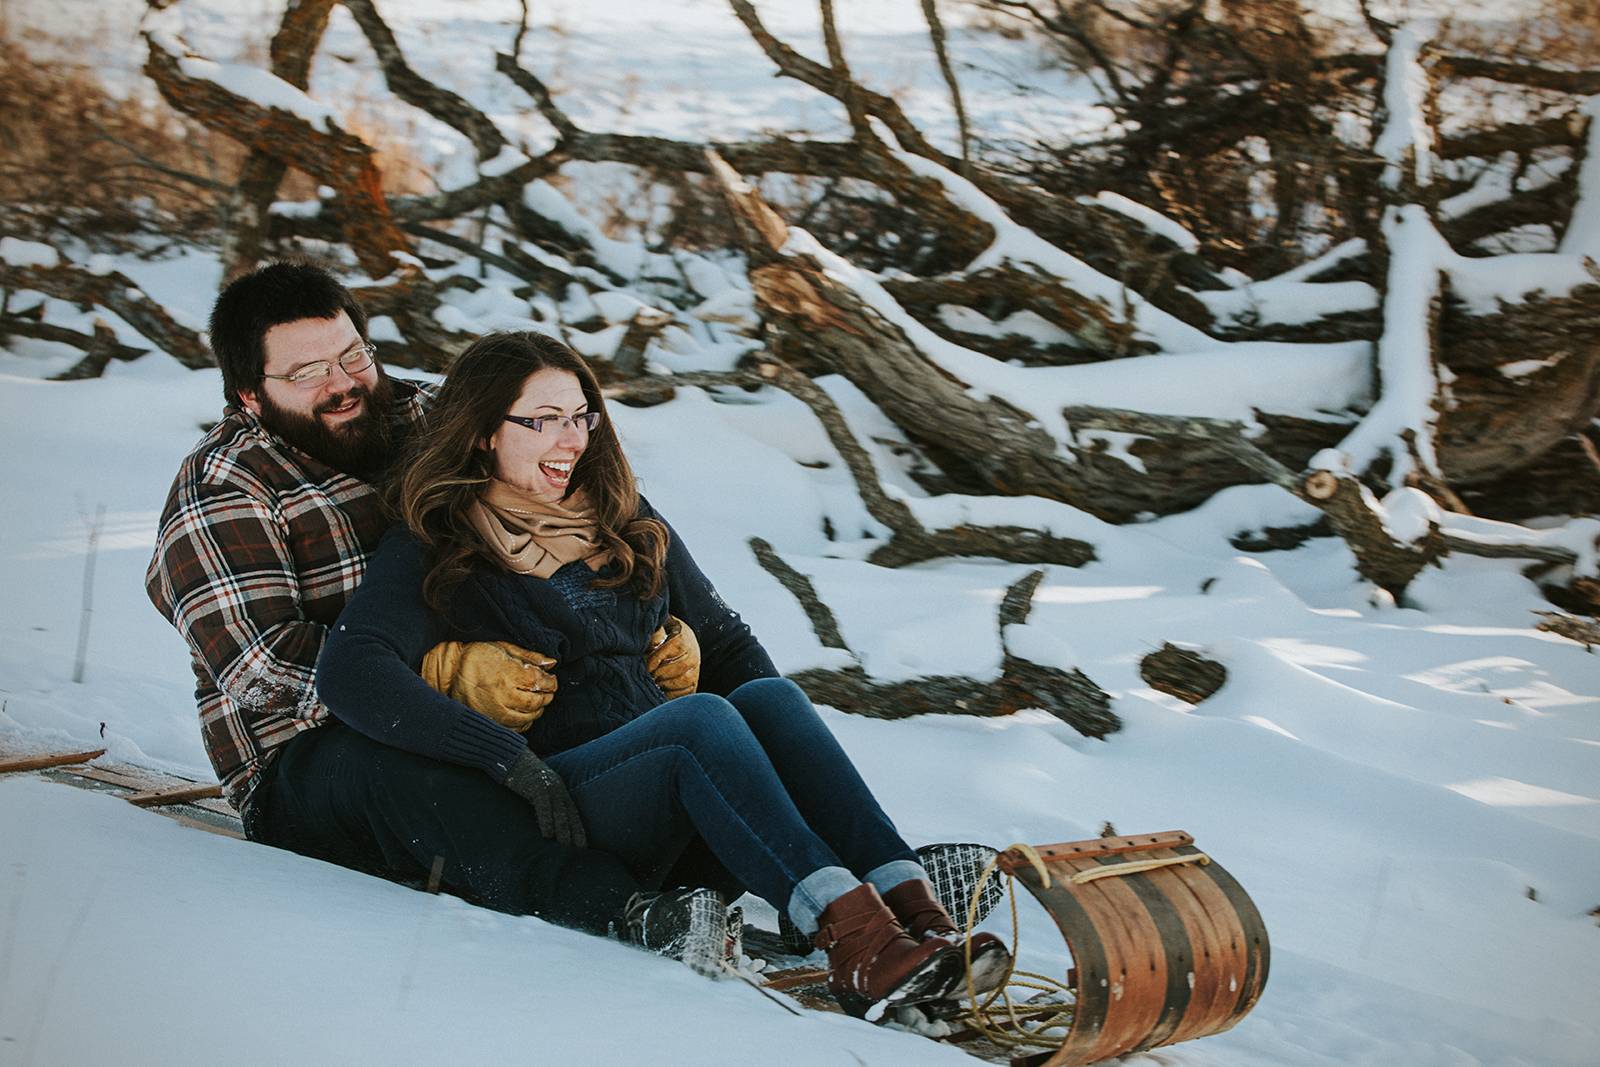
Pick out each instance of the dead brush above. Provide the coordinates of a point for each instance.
(78, 159)
(74, 157)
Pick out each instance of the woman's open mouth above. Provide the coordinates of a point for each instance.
(557, 473)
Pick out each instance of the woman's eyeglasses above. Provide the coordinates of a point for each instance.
(585, 422)
(354, 362)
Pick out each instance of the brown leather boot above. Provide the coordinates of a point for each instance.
(919, 911)
(874, 964)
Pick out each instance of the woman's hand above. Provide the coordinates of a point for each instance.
(496, 679)
(674, 658)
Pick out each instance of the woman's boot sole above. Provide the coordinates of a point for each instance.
(932, 981)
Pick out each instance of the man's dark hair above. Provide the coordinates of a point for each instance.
(283, 291)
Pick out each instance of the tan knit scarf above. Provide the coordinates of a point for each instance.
(533, 536)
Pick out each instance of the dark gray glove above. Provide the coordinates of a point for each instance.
(533, 780)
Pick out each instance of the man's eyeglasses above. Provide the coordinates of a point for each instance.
(354, 362)
(585, 422)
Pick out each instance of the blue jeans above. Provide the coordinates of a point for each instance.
(759, 777)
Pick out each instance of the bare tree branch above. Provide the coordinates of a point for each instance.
(330, 155)
(291, 51)
(1068, 695)
(930, 12)
(841, 71)
(1577, 82)
(117, 293)
(418, 91)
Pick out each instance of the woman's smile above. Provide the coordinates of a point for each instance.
(541, 461)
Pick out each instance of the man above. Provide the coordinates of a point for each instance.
(264, 537)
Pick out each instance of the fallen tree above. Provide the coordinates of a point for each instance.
(1044, 322)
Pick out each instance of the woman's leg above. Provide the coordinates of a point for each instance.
(692, 765)
(825, 786)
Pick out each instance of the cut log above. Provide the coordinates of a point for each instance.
(1380, 558)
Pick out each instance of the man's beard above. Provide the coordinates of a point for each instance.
(360, 446)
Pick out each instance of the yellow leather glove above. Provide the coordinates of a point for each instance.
(674, 658)
(496, 679)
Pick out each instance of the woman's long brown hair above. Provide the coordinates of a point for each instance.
(449, 466)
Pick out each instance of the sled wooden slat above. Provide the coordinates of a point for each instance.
(795, 978)
(155, 798)
(1161, 955)
(51, 759)
(139, 782)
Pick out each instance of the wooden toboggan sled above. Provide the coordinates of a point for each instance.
(1164, 945)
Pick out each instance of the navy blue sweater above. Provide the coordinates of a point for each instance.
(368, 672)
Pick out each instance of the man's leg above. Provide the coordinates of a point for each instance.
(826, 787)
(337, 795)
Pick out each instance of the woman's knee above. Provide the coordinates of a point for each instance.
(702, 723)
(764, 694)
(776, 707)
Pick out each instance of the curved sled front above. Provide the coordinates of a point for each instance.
(1166, 945)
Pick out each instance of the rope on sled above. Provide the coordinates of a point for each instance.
(1001, 1022)
(1084, 877)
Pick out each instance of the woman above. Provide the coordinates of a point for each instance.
(522, 524)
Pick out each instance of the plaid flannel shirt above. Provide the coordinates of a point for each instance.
(258, 548)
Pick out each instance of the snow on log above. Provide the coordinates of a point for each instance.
(1400, 425)
(1406, 141)
(1017, 245)
(999, 427)
(268, 114)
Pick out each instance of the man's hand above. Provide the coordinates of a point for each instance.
(496, 679)
(534, 781)
(674, 659)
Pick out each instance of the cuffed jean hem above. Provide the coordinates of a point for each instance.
(894, 872)
(813, 893)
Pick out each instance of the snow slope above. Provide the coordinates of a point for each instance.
(1388, 783)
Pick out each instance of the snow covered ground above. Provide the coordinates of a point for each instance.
(1410, 794)
(1388, 783)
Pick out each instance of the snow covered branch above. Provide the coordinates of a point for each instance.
(1068, 695)
(268, 114)
(31, 265)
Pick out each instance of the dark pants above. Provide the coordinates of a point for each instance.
(336, 795)
(759, 776)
